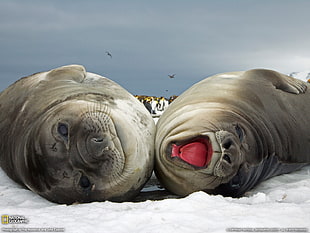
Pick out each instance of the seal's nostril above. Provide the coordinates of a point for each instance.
(226, 144)
(226, 158)
(98, 140)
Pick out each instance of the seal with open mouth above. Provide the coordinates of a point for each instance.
(231, 131)
(74, 136)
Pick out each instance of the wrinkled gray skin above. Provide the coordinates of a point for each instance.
(257, 122)
(74, 136)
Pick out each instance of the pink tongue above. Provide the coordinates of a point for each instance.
(195, 153)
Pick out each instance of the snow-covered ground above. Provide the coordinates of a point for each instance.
(280, 204)
(277, 204)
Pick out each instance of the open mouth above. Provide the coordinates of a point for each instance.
(197, 152)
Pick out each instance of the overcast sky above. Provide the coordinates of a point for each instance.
(151, 39)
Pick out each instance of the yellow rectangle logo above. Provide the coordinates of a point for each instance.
(5, 219)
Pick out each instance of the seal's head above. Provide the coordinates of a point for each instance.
(78, 140)
(201, 148)
(78, 153)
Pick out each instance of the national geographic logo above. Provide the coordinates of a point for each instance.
(13, 219)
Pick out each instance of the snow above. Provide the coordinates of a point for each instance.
(281, 202)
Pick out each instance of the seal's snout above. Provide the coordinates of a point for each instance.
(99, 145)
(230, 153)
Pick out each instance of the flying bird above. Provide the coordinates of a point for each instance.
(171, 76)
(109, 54)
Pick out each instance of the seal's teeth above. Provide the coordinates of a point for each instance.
(106, 148)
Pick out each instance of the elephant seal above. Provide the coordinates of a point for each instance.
(74, 136)
(231, 131)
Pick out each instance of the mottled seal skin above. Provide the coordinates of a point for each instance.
(74, 136)
(254, 125)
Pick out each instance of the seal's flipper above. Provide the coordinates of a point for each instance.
(279, 81)
(71, 72)
(291, 85)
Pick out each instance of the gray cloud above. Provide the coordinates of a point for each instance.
(150, 40)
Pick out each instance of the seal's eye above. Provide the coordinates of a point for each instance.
(239, 132)
(63, 130)
(84, 182)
